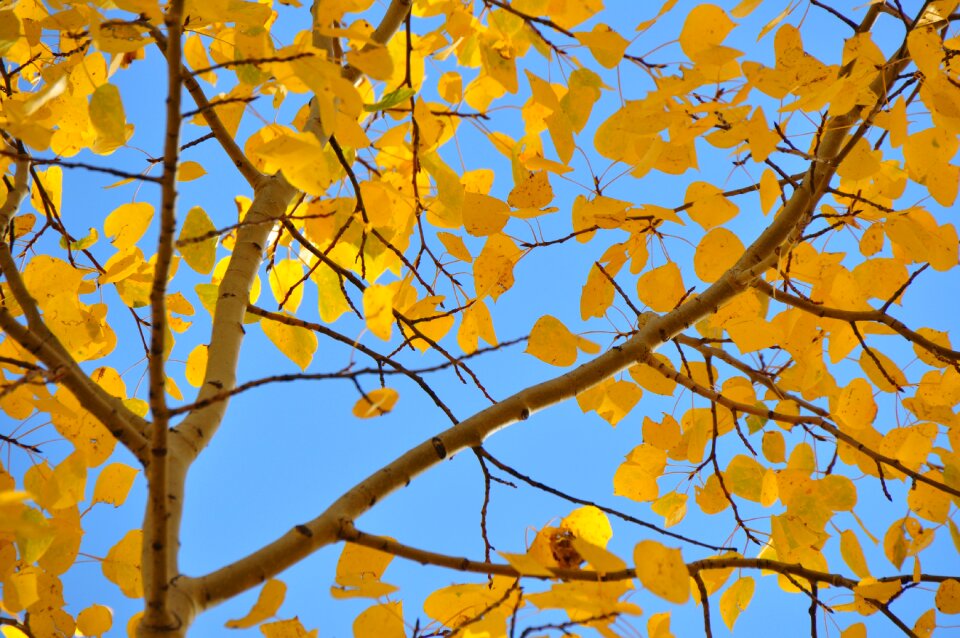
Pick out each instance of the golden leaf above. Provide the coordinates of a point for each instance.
(661, 571)
(268, 603)
(375, 403)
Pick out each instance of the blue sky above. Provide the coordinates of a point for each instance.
(287, 450)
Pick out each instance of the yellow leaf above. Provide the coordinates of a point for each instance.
(483, 215)
(895, 544)
(769, 190)
(707, 205)
(296, 342)
(196, 365)
(745, 8)
(9, 30)
(852, 554)
(199, 255)
(636, 478)
(920, 239)
(300, 157)
(381, 621)
(52, 182)
(127, 223)
(882, 376)
(499, 63)
(855, 407)
(588, 524)
(597, 294)
(292, 628)
(929, 502)
(837, 492)
(881, 277)
(268, 602)
(663, 435)
(706, 26)
(533, 191)
(925, 624)
(662, 571)
(450, 86)
(196, 57)
(286, 282)
(114, 483)
(860, 163)
(95, 620)
(108, 119)
(858, 630)
(455, 246)
(599, 558)
(552, 343)
(716, 253)
(493, 268)
(606, 45)
(526, 564)
(376, 403)
(189, 171)
(173, 389)
(774, 448)
(331, 300)
(672, 507)
(744, 477)
(378, 309)
(652, 379)
(661, 289)
(881, 591)
(736, 599)
(375, 61)
(601, 211)
(926, 50)
(476, 324)
(948, 596)
(476, 603)
(616, 399)
(121, 565)
(359, 571)
(770, 489)
(658, 626)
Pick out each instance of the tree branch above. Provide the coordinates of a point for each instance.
(161, 524)
(854, 316)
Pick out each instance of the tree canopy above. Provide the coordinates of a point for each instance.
(399, 228)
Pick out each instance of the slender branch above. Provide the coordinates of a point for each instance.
(705, 603)
(161, 536)
(41, 161)
(579, 501)
(351, 534)
(853, 316)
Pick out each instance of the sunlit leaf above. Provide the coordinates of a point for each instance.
(114, 483)
(127, 224)
(661, 570)
(122, 564)
(95, 620)
(268, 602)
(735, 600)
(197, 241)
(296, 342)
(375, 403)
